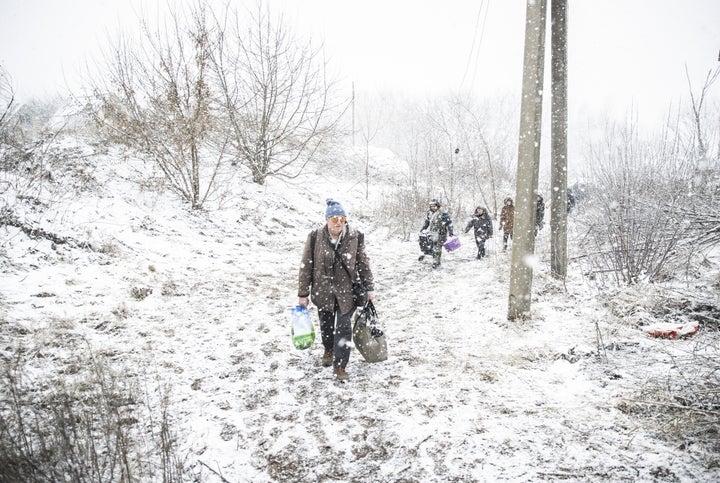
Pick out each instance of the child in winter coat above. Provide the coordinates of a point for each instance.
(438, 225)
(482, 226)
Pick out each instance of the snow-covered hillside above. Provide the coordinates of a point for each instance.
(197, 304)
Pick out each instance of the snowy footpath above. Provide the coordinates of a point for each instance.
(466, 395)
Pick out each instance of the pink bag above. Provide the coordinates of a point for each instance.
(452, 244)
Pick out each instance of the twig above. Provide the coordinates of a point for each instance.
(673, 406)
(561, 474)
(421, 442)
(601, 344)
(218, 474)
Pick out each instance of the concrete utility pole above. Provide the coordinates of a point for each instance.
(353, 113)
(521, 270)
(558, 155)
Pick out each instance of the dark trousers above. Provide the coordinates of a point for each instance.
(505, 239)
(480, 242)
(336, 334)
(438, 248)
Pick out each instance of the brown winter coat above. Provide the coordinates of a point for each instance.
(507, 218)
(326, 280)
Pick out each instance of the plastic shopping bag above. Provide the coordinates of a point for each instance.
(452, 244)
(302, 329)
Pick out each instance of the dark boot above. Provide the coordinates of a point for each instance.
(327, 358)
(340, 373)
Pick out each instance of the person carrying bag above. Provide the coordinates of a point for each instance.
(333, 258)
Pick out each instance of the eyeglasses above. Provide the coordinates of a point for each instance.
(337, 219)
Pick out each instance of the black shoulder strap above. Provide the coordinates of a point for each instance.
(361, 239)
(313, 239)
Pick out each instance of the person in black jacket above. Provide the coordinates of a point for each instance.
(507, 221)
(437, 227)
(539, 214)
(570, 200)
(482, 226)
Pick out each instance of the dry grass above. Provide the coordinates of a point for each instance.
(84, 421)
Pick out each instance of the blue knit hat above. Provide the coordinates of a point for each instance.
(334, 209)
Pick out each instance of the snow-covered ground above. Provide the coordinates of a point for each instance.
(466, 395)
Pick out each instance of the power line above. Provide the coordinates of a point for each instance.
(477, 54)
(479, 43)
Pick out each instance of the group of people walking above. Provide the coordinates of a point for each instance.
(438, 226)
(334, 259)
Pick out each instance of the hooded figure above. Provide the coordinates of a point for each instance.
(437, 227)
(482, 226)
(507, 217)
(539, 214)
(570, 200)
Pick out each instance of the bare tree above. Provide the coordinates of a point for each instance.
(427, 135)
(444, 119)
(9, 148)
(156, 98)
(31, 161)
(277, 101)
(470, 152)
(698, 101)
(483, 139)
(7, 103)
(372, 116)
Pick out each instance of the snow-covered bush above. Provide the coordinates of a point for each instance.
(634, 224)
(90, 423)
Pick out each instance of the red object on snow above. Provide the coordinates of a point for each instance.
(673, 331)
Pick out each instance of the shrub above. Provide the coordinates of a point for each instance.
(89, 424)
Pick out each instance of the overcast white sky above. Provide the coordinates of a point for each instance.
(622, 52)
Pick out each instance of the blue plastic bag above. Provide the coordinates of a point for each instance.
(302, 329)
